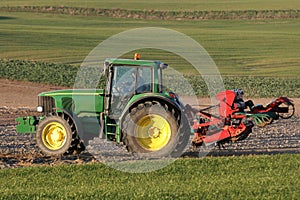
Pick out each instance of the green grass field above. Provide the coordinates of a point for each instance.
(239, 47)
(251, 177)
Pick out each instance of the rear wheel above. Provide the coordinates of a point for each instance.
(152, 129)
(56, 135)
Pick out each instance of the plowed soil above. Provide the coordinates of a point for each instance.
(19, 98)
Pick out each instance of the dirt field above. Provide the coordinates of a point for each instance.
(18, 94)
(18, 150)
(21, 94)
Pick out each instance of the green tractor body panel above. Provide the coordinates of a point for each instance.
(85, 104)
(78, 100)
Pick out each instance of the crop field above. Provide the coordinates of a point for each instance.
(255, 45)
(252, 177)
(254, 86)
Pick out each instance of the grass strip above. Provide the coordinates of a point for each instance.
(251, 177)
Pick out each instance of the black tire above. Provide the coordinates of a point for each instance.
(56, 135)
(291, 111)
(153, 129)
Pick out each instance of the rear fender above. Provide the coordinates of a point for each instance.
(158, 98)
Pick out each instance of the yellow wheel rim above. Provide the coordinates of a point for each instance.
(54, 135)
(153, 132)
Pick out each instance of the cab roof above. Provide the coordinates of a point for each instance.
(117, 61)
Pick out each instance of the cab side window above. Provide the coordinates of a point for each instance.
(144, 79)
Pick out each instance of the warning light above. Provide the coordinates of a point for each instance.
(172, 95)
(137, 56)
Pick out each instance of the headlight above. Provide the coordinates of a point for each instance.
(39, 108)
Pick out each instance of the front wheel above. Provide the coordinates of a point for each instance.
(56, 135)
(152, 129)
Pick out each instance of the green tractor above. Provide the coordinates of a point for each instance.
(133, 110)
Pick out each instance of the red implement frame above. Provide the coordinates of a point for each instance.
(230, 125)
(223, 126)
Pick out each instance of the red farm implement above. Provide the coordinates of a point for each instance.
(229, 124)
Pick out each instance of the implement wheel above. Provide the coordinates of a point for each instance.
(290, 110)
(56, 135)
(152, 129)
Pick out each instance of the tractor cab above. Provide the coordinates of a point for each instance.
(130, 79)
